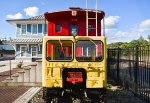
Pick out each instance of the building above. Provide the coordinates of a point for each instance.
(7, 52)
(29, 33)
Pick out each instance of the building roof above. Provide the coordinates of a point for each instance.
(27, 40)
(6, 47)
(39, 18)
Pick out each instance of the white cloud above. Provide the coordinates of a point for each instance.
(15, 16)
(111, 25)
(125, 36)
(31, 11)
(136, 30)
(112, 22)
(144, 25)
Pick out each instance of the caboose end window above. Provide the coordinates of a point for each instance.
(58, 28)
(59, 50)
(89, 50)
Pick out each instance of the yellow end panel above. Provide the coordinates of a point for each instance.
(52, 71)
(95, 83)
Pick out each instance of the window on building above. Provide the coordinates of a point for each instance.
(34, 51)
(89, 28)
(34, 31)
(1, 55)
(23, 29)
(23, 51)
(74, 30)
(45, 28)
(58, 28)
(29, 28)
(18, 28)
(39, 28)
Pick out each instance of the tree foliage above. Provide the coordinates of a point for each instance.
(139, 42)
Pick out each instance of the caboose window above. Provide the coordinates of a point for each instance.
(89, 50)
(59, 50)
(89, 28)
(74, 30)
(58, 28)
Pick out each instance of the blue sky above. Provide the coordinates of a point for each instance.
(125, 20)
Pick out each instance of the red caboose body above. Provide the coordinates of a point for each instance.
(64, 23)
(73, 22)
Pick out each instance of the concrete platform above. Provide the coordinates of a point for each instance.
(28, 95)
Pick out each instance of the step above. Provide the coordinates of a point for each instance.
(15, 77)
(9, 80)
(21, 76)
(27, 75)
(33, 73)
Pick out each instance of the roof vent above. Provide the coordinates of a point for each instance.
(75, 8)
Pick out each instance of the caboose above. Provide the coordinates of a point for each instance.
(74, 57)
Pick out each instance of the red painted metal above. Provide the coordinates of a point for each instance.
(67, 18)
(74, 77)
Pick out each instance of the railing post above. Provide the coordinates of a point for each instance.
(10, 67)
(39, 71)
(136, 67)
(108, 62)
(118, 66)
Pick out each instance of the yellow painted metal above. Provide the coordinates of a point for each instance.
(52, 71)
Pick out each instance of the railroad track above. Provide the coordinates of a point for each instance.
(122, 96)
(35, 94)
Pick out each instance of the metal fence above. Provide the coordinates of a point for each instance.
(131, 68)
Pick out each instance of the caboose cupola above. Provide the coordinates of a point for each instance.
(73, 22)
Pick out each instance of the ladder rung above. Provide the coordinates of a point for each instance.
(91, 18)
(91, 28)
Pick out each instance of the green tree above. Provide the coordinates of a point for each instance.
(148, 37)
(133, 43)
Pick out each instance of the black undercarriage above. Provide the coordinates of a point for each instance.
(74, 89)
(59, 95)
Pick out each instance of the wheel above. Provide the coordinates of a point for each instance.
(76, 100)
(54, 100)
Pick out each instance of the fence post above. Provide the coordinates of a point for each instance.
(108, 62)
(118, 66)
(136, 67)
